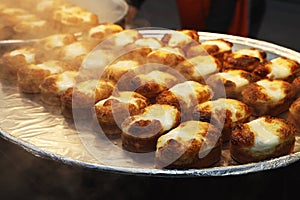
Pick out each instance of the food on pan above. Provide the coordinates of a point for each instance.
(31, 76)
(223, 113)
(198, 68)
(102, 31)
(230, 83)
(185, 96)
(32, 29)
(10, 15)
(294, 114)
(46, 8)
(139, 49)
(19, 23)
(42, 18)
(120, 40)
(182, 38)
(140, 132)
(166, 56)
(69, 14)
(261, 139)
(55, 44)
(120, 73)
(43, 8)
(74, 52)
(153, 83)
(217, 47)
(167, 94)
(55, 85)
(152, 43)
(245, 59)
(92, 67)
(190, 33)
(23, 24)
(81, 98)
(112, 111)
(296, 85)
(71, 18)
(279, 68)
(16, 59)
(192, 144)
(55, 41)
(268, 97)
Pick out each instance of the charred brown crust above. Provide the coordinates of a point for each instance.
(109, 29)
(113, 112)
(136, 53)
(210, 159)
(242, 136)
(84, 100)
(242, 140)
(12, 64)
(190, 34)
(296, 86)
(49, 83)
(242, 156)
(193, 34)
(177, 155)
(214, 49)
(252, 93)
(222, 118)
(152, 88)
(226, 88)
(294, 114)
(244, 62)
(263, 69)
(142, 136)
(162, 57)
(188, 69)
(167, 97)
(29, 79)
(261, 104)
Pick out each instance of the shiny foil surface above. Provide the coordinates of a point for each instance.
(43, 131)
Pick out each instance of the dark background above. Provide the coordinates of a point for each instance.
(24, 176)
(280, 24)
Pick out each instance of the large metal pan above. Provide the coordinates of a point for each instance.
(43, 131)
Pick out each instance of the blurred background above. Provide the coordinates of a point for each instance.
(25, 176)
(280, 24)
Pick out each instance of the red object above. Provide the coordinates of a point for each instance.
(193, 15)
(240, 21)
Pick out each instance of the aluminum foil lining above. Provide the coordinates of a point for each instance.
(43, 131)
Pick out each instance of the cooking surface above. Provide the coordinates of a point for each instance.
(24, 175)
(44, 131)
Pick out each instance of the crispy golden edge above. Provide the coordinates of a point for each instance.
(188, 154)
(257, 100)
(242, 139)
